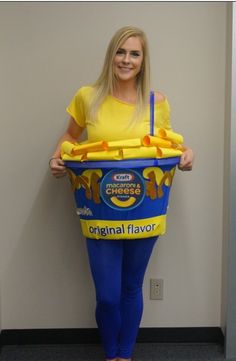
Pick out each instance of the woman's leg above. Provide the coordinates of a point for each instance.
(135, 260)
(105, 258)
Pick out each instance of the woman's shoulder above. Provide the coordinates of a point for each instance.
(84, 90)
(84, 93)
(159, 97)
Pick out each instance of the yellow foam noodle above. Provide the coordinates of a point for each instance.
(67, 148)
(142, 152)
(126, 143)
(72, 158)
(150, 140)
(90, 147)
(168, 153)
(104, 155)
(178, 146)
(83, 157)
(169, 135)
(165, 145)
(159, 152)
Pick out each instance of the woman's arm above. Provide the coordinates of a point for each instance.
(186, 160)
(72, 134)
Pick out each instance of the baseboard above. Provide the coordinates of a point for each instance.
(90, 335)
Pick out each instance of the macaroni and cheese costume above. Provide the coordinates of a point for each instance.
(114, 200)
(118, 265)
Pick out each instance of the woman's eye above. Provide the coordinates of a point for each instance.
(135, 54)
(120, 51)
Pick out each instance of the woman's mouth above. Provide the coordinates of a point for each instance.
(124, 68)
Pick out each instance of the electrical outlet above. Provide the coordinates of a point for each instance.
(156, 289)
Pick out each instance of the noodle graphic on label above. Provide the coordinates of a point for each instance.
(126, 203)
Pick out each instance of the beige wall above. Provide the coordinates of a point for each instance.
(226, 185)
(48, 50)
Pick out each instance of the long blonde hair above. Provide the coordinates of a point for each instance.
(106, 82)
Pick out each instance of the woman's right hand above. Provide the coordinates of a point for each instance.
(56, 164)
(57, 167)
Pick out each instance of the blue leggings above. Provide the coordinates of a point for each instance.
(118, 269)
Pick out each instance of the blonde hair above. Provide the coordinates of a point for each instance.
(106, 82)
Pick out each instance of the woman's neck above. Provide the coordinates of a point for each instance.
(126, 91)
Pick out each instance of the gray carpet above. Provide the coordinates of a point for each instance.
(142, 352)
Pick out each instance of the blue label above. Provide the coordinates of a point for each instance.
(122, 189)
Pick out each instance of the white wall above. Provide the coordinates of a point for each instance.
(48, 50)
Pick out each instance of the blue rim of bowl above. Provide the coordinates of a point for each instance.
(126, 163)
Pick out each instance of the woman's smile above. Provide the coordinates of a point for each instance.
(125, 69)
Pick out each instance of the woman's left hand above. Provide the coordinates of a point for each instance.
(186, 160)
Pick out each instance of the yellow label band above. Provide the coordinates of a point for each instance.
(132, 229)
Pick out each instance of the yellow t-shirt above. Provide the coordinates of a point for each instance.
(113, 117)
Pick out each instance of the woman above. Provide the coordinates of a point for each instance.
(116, 107)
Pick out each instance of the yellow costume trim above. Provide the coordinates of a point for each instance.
(165, 144)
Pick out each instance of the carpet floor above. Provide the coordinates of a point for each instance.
(94, 352)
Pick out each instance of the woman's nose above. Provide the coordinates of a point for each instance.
(126, 58)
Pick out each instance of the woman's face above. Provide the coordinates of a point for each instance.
(128, 59)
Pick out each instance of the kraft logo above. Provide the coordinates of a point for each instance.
(123, 177)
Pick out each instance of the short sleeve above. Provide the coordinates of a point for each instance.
(76, 108)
